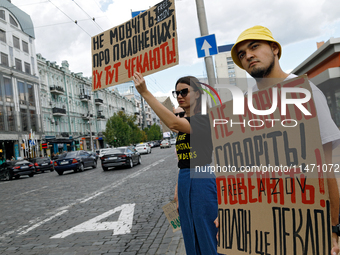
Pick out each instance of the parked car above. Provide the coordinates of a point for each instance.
(165, 144)
(74, 160)
(15, 169)
(121, 156)
(42, 164)
(173, 141)
(143, 148)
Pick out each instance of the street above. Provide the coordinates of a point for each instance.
(92, 212)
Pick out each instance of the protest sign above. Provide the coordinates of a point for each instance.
(146, 43)
(272, 189)
(171, 213)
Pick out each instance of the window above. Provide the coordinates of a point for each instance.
(27, 68)
(22, 93)
(12, 21)
(33, 121)
(24, 120)
(8, 90)
(2, 123)
(31, 98)
(2, 36)
(4, 59)
(2, 15)
(16, 42)
(25, 46)
(10, 118)
(18, 64)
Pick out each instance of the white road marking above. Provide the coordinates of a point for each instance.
(41, 222)
(31, 191)
(120, 227)
(57, 212)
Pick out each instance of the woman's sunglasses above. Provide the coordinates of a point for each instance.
(180, 114)
(183, 93)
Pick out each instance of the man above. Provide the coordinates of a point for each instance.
(257, 52)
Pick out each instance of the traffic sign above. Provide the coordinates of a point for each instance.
(206, 46)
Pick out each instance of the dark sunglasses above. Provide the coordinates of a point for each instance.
(183, 93)
(180, 114)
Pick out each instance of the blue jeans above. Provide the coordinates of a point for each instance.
(197, 200)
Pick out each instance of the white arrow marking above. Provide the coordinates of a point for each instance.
(120, 227)
(206, 46)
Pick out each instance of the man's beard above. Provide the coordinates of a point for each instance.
(259, 73)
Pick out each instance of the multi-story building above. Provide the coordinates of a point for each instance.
(323, 69)
(148, 115)
(228, 73)
(19, 91)
(72, 114)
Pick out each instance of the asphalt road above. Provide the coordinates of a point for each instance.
(92, 212)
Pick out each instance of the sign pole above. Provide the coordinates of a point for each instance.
(202, 21)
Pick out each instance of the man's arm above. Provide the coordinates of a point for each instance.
(333, 191)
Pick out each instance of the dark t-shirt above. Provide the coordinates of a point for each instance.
(195, 149)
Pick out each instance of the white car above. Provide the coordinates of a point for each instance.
(173, 141)
(165, 144)
(143, 148)
(103, 151)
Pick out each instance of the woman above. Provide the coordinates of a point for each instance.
(197, 195)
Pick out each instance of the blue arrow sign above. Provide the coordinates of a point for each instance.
(206, 46)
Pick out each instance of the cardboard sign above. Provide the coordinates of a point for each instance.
(273, 199)
(146, 43)
(171, 213)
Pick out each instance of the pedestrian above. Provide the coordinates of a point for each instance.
(197, 197)
(257, 52)
(13, 158)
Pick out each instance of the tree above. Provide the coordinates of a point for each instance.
(121, 130)
(153, 133)
(118, 132)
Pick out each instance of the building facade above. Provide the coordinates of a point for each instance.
(72, 114)
(323, 69)
(20, 115)
(228, 72)
(146, 117)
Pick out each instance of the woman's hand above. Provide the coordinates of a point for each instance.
(139, 83)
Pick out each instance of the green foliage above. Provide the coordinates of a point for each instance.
(121, 130)
(153, 133)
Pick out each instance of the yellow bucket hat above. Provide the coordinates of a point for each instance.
(253, 33)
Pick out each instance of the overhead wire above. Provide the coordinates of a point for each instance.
(93, 19)
(69, 17)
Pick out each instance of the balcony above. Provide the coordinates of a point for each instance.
(98, 101)
(101, 117)
(87, 116)
(57, 90)
(84, 98)
(56, 111)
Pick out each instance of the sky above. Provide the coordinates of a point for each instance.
(296, 24)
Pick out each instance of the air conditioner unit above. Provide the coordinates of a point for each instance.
(52, 121)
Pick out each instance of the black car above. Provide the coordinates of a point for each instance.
(15, 169)
(74, 160)
(94, 154)
(121, 156)
(42, 164)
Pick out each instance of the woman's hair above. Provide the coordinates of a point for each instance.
(195, 84)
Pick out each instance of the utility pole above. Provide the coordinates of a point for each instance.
(202, 21)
